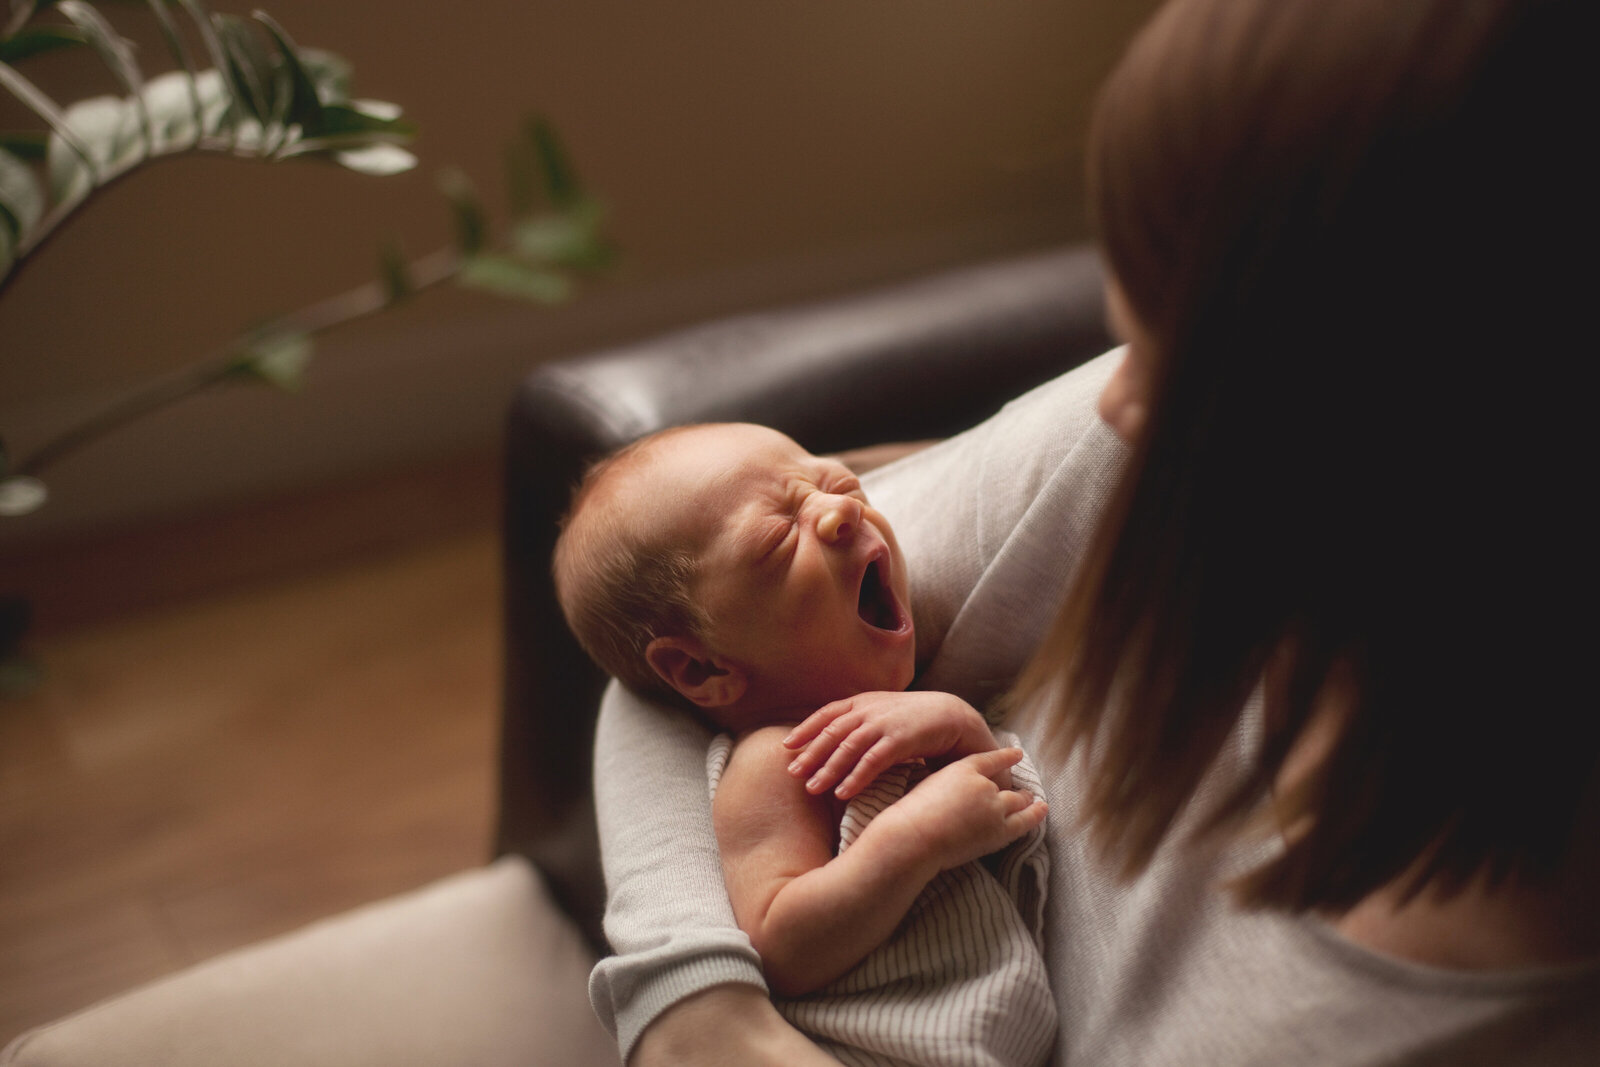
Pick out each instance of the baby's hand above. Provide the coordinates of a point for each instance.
(960, 812)
(850, 742)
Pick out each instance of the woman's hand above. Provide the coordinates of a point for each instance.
(725, 1026)
(850, 742)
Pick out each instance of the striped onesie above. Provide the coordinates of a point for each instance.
(961, 982)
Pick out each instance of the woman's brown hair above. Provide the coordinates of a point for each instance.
(1354, 232)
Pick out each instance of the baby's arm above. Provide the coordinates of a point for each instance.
(813, 915)
(850, 742)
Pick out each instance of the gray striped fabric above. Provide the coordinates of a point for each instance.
(962, 981)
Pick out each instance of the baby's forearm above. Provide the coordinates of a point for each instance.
(820, 924)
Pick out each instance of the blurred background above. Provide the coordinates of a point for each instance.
(750, 154)
(259, 613)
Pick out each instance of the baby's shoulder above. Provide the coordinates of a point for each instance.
(762, 748)
(756, 784)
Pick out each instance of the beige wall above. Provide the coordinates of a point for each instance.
(752, 152)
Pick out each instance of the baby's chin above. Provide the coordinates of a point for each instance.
(829, 686)
(891, 677)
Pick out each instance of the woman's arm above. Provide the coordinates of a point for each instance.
(957, 508)
(667, 911)
(727, 1024)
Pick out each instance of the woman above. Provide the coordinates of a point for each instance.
(1322, 768)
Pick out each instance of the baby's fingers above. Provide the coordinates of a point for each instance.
(877, 759)
(995, 764)
(863, 745)
(816, 722)
(846, 734)
(1023, 812)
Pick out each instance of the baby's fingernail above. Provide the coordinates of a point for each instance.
(789, 740)
(794, 768)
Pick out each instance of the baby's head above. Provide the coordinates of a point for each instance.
(725, 567)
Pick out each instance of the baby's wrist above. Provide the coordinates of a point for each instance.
(900, 849)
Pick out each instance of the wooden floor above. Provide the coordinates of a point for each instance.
(198, 775)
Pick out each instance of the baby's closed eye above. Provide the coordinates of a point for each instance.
(772, 538)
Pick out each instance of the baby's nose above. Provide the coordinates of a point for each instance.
(840, 517)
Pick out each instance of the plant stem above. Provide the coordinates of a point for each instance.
(425, 272)
(150, 398)
(428, 271)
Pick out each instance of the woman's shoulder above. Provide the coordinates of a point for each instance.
(1017, 447)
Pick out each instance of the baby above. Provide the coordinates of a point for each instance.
(724, 569)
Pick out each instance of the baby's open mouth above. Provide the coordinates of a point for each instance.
(876, 605)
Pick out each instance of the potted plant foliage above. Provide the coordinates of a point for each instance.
(242, 87)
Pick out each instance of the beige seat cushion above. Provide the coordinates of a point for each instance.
(477, 970)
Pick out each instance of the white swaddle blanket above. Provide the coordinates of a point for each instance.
(961, 982)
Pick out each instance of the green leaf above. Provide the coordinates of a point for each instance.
(162, 11)
(116, 50)
(561, 183)
(172, 99)
(395, 273)
(21, 494)
(329, 72)
(304, 109)
(248, 67)
(216, 103)
(348, 125)
(27, 145)
(108, 129)
(505, 276)
(521, 182)
(21, 12)
(21, 199)
(181, 56)
(219, 59)
(472, 229)
(383, 111)
(276, 358)
(37, 40)
(379, 160)
(571, 238)
(355, 136)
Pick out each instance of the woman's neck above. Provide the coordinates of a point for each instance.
(1507, 927)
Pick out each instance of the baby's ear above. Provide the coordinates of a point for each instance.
(695, 672)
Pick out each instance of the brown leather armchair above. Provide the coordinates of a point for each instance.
(915, 361)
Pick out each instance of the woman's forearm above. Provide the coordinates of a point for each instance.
(667, 911)
(724, 1025)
